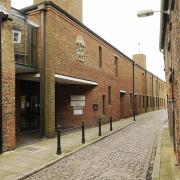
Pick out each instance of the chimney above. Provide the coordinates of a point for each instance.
(73, 7)
(140, 59)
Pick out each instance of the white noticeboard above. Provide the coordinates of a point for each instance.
(78, 102)
(78, 112)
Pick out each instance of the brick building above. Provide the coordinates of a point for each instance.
(62, 72)
(169, 45)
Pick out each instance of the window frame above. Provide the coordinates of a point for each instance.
(19, 36)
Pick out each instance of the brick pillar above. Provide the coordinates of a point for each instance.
(49, 104)
(8, 84)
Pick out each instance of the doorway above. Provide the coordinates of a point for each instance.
(122, 105)
(30, 113)
(103, 104)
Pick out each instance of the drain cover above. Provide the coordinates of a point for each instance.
(31, 149)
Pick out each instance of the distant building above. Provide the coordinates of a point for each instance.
(169, 45)
(56, 70)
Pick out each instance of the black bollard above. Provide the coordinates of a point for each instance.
(110, 121)
(58, 140)
(83, 133)
(99, 134)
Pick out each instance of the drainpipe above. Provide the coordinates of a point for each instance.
(173, 101)
(158, 92)
(42, 8)
(134, 105)
(1, 136)
(152, 92)
(146, 89)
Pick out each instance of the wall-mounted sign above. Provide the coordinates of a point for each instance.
(80, 49)
(78, 102)
(78, 112)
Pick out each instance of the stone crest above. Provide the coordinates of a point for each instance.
(80, 48)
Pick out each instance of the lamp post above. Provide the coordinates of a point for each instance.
(150, 12)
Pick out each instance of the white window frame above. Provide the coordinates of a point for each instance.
(19, 36)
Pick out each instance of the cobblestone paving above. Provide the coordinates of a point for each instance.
(124, 155)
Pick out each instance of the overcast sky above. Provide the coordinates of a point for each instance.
(116, 21)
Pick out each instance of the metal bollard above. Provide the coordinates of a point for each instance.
(58, 140)
(110, 121)
(99, 134)
(83, 133)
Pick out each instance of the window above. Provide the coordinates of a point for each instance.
(131, 100)
(100, 56)
(16, 36)
(139, 101)
(109, 95)
(143, 102)
(147, 105)
(156, 102)
(169, 45)
(116, 65)
(104, 104)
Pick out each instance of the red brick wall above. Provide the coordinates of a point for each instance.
(61, 59)
(8, 85)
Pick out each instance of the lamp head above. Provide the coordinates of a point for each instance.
(145, 13)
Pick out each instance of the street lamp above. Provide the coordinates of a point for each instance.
(145, 13)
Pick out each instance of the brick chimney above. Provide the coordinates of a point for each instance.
(140, 59)
(73, 7)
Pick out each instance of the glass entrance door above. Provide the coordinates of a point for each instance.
(30, 113)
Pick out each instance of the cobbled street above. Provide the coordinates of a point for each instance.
(124, 155)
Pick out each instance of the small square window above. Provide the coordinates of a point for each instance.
(16, 36)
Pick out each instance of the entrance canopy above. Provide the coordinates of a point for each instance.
(60, 79)
(123, 91)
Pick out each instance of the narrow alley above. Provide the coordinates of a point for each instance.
(123, 155)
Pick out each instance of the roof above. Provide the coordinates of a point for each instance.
(35, 7)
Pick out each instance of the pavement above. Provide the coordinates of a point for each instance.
(165, 165)
(30, 158)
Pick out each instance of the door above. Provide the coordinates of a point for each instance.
(122, 105)
(30, 113)
(103, 104)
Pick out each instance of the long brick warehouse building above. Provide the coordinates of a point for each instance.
(56, 70)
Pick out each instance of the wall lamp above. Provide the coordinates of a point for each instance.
(150, 12)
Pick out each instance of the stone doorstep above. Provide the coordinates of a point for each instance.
(64, 155)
